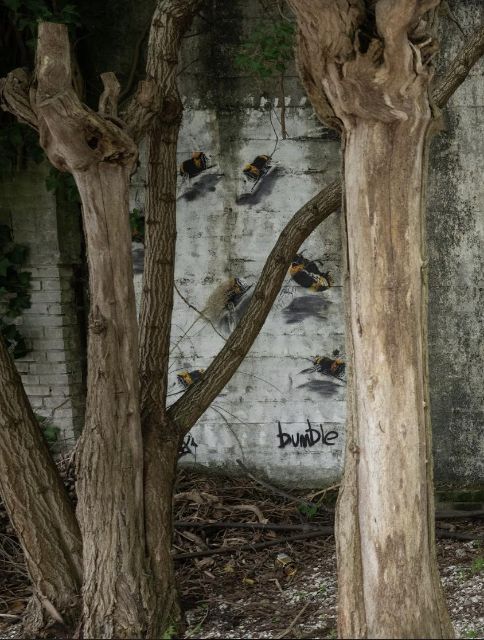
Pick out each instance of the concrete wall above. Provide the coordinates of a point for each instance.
(456, 269)
(52, 371)
(222, 236)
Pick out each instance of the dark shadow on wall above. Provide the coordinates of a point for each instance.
(203, 185)
(261, 192)
(302, 307)
(323, 388)
(138, 253)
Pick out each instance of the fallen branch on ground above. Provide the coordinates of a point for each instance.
(182, 524)
(317, 533)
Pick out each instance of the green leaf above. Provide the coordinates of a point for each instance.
(4, 265)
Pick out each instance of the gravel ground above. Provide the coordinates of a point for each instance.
(285, 588)
(304, 605)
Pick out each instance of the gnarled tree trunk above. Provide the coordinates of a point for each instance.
(110, 457)
(33, 492)
(367, 72)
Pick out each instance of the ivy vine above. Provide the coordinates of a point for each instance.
(14, 290)
(267, 53)
(137, 223)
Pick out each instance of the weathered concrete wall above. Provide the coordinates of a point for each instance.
(52, 370)
(223, 236)
(456, 269)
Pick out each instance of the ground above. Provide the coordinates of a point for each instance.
(286, 589)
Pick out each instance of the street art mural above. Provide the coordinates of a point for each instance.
(284, 408)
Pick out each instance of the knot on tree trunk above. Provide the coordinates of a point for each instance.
(98, 323)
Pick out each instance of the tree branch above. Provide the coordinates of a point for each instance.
(459, 69)
(194, 402)
(157, 95)
(186, 411)
(14, 97)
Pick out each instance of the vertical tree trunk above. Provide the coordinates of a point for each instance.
(367, 72)
(37, 504)
(100, 155)
(390, 514)
(110, 456)
(160, 436)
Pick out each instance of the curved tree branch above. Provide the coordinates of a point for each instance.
(186, 411)
(14, 97)
(194, 402)
(459, 69)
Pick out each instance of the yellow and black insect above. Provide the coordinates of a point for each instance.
(258, 168)
(187, 378)
(235, 293)
(334, 366)
(195, 165)
(306, 273)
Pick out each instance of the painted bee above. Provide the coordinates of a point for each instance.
(235, 293)
(307, 274)
(195, 165)
(334, 366)
(187, 378)
(258, 168)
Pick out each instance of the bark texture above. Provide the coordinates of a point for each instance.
(370, 67)
(161, 438)
(197, 399)
(32, 492)
(110, 458)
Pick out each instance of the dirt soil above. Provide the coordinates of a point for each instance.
(284, 590)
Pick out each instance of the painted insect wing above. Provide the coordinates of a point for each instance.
(195, 165)
(186, 378)
(237, 292)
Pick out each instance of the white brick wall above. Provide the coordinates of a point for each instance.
(52, 371)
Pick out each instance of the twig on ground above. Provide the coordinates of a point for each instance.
(440, 533)
(322, 531)
(182, 524)
(291, 626)
(459, 515)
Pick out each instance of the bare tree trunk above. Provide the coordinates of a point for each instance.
(161, 437)
(161, 447)
(389, 456)
(33, 492)
(378, 93)
(110, 456)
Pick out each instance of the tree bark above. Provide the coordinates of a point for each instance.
(389, 455)
(378, 90)
(198, 398)
(161, 438)
(32, 492)
(110, 458)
